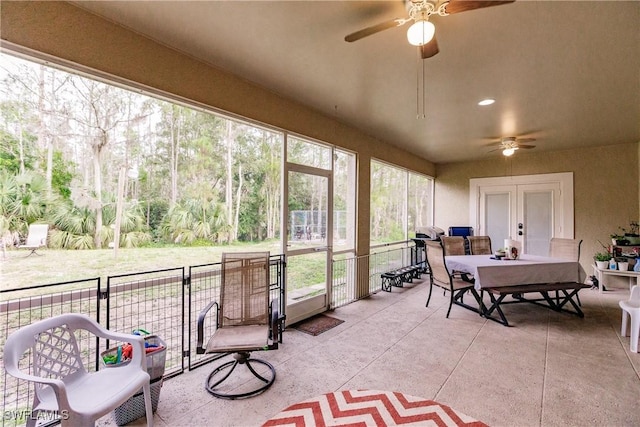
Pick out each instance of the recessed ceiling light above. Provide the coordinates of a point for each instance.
(487, 101)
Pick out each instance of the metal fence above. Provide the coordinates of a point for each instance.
(153, 301)
(389, 257)
(165, 303)
(392, 258)
(18, 309)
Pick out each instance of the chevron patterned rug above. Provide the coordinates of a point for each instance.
(365, 408)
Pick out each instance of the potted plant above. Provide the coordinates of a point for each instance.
(623, 264)
(602, 260)
(618, 240)
(632, 234)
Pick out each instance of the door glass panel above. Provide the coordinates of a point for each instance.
(538, 222)
(306, 276)
(497, 218)
(308, 199)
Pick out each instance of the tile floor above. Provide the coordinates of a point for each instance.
(548, 369)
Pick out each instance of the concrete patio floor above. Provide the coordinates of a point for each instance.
(548, 369)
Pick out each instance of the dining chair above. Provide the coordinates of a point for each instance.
(479, 245)
(631, 309)
(63, 385)
(568, 249)
(453, 245)
(441, 277)
(245, 321)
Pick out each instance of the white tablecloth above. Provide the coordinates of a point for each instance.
(527, 269)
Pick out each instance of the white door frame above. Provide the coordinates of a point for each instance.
(565, 205)
(320, 303)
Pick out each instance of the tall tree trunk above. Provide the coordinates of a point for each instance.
(42, 134)
(236, 218)
(174, 158)
(21, 144)
(97, 186)
(229, 142)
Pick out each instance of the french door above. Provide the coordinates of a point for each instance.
(531, 209)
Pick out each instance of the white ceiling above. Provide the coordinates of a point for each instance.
(564, 72)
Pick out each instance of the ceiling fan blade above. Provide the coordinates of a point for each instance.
(526, 146)
(524, 140)
(374, 29)
(457, 6)
(430, 49)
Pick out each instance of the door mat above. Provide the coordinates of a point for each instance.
(317, 324)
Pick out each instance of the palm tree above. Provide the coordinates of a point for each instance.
(133, 227)
(74, 227)
(192, 220)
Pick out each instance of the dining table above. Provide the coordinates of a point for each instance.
(556, 280)
(488, 271)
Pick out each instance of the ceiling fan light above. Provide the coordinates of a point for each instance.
(421, 32)
(508, 151)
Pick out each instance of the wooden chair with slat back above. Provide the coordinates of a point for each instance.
(480, 245)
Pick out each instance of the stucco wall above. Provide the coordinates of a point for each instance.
(606, 188)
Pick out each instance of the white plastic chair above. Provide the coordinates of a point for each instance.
(62, 384)
(631, 308)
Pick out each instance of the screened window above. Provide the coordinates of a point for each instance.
(400, 201)
(304, 152)
(191, 177)
(344, 201)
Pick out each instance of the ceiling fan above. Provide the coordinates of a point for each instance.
(510, 144)
(422, 32)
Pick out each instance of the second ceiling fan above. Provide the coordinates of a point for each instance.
(422, 32)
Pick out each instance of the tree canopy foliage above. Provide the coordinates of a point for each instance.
(75, 151)
(191, 175)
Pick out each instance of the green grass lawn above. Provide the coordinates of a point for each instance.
(17, 270)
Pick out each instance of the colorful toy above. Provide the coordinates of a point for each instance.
(125, 352)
